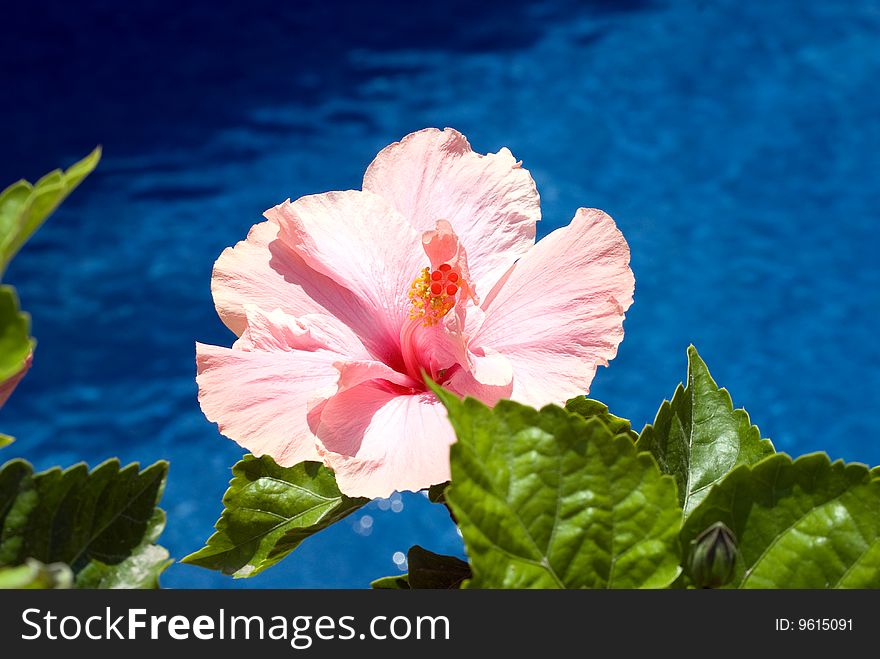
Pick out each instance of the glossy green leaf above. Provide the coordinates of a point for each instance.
(34, 575)
(102, 523)
(5, 440)
(699, 438)
(15, 335)
(18, 499)
(550, 499)
(400, 582)
(25, 206)
(437, 493)
(427, 570)
(268, 511)
(587, 407)
(809, 523)
(141, 570)
(74, 515)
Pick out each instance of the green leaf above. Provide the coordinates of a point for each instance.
(268, 511)
(400, 582)
(550, 499)
(437, 493)
(79, 517)
(33, 575)
(18, 499)
(5, 440)
(24, 207)
(15, 340)
(141, 570)
(430, 570)
(587, 407)
(809, 523)
(699, 438)
(427, 570)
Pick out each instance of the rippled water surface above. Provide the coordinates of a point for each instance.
(736, 144)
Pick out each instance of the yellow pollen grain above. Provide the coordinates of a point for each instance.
(426, 305)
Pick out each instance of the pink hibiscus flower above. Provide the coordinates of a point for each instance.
(342, 300)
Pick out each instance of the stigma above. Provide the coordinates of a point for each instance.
(433, 293)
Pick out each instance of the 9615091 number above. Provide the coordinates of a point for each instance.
(814, 624)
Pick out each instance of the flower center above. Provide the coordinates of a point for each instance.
(433, 293)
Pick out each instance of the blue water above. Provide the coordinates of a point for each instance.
(736, 144)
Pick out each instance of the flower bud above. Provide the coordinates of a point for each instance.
(713, 557)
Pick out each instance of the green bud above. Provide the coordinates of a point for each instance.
(713, 557)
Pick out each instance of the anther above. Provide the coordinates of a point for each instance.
(433, 292)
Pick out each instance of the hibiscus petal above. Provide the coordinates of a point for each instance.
(277, 330)
(560, 313)
(352, 373)
(264, 272)
(261, 399)
(488, 377)
(250, 273)
(356, 239)
(378, 441)
(491, 202)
